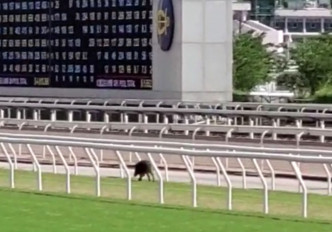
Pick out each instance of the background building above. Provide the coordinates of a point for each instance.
(297, 18)
(262, 10)
(300, 18)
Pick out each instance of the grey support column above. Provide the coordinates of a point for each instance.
(198, 65)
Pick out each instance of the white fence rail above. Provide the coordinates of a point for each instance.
(222, 147)
(185, 152)
(177, 104)
(310, 152)
(166, 111)
(228, 130)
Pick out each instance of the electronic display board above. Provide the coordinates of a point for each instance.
(76, 43)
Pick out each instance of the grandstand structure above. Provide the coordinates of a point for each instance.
(293, 19)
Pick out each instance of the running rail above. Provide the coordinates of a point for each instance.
(167, 111)
(158, 102)
(227, 147)
(307, 152)
(292, 158)
(282, 130)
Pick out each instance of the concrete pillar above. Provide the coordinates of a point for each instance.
(198, 65)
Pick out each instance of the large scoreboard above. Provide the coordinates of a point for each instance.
(76, 43)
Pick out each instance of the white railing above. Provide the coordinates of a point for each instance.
(70, 109)
(229, 131)
(301, 151)
(252, 114)
(154, 110)
(272, 170)
(177, 104)
(163, 128)
(185, 153)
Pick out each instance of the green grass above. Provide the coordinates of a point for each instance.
(31, 212)
(111, 212)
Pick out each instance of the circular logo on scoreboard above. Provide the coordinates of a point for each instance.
(165, 24)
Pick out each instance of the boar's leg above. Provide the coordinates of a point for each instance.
(152, 176)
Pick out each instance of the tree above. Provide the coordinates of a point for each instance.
(313, 56)
(251, 61)
(292, 82)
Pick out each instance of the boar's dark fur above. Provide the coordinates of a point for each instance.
(143, 167)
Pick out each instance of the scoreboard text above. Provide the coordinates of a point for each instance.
(76, 43)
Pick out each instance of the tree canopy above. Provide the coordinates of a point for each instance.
(252, 61)
(313, 57)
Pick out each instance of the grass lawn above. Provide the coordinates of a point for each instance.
(30, 212)
(112, 212)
